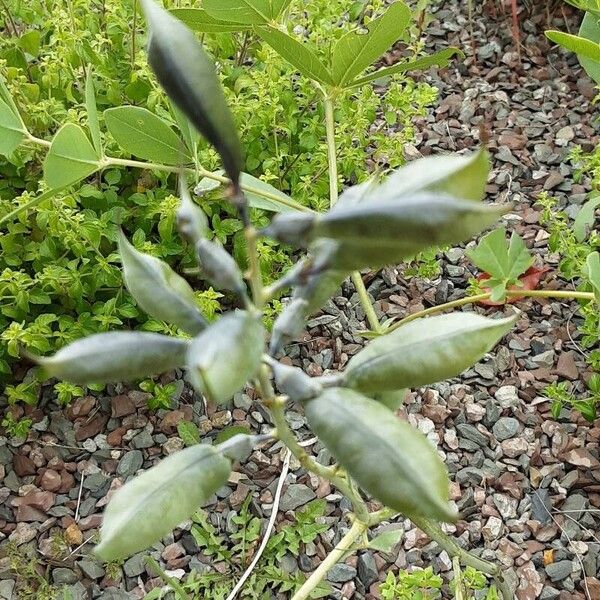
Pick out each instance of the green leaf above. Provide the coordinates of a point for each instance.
(592, 268)
(424, 351)
(556, 408)
(440, 59)
(355, 51)
(199, 20)
(188, 431)
(590, 29)
(226, 355)
(387, 541)
(188, 131)
(587, 408)
(114, 357)
(388, 458)
(504, 262)
(229, 432)
(188, 76)
(152, 504)
(296, 53)
(143, 134)
(246, 12)
(8, 99)
(12, 131)
(580, 45)
(158, 290)
(92, 113)
(71, 157)
(584, 221)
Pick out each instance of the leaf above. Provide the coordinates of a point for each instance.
(149, 506)
(530, 280)
(222, 358)
(188, 76)
(247, 12)
(388, 458)
(387, 541)
(92, 113)
(503, 261)
(188, 131)
(584, 221)
(424, 351)
(143, 134)
(71, 157)
(12, 131)
(6, 96)
(188, 431)
(199, 20)
(580, 45)
(297, 54)
(592, 268)
(115, 357)
(590, 29)
(440, 59)
(587, 408)
(158, 290)
(231, 431)
(355, 51)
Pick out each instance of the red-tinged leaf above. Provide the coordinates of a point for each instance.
(529, 281)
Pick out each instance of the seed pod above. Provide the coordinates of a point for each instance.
(388, 458)
(191, 220)
(158, 290)
(149, 506)
(289, 324)
(393, 399)
(424, 351)
(294, 383)
(188, 76)
(115, 356)
(219, 267)
(222, 358)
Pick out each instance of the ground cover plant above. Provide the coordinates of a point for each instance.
(384, 457)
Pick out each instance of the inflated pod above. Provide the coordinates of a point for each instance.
(387, 457)
(228, 353)
(152, 504)
(219, 267)
(158, 290)
(295, 383)
(191, 219)
(392, 399)
(424, 351)
(289, 324)
(115, 356)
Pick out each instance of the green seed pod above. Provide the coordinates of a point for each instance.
(219, 267)
(191, 220)
(289, 324)
(222, 359)
(393, 399)
(294, 383)
(158, 290)
(152, 504)
(188, 76)
(424, 351)
(115, 356)
(388, 458)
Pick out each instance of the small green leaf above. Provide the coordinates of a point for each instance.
(439, 59)
(188, 431)
(592, 268)
(143, 134)
(355, 51)
(92, 113)
(296, 53)
(159, 291)
(12, 131)
(71, 157)
(585, 219)
(229, 432)
(424, 351)
(587, 408)
(199, 20)
(590, 30)
(115, 356)
(149, 506)
(246, 12)
(575, 43)
(387, 541)
(556, 408)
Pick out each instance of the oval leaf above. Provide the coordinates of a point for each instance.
(585, 219)
(159, 291)
(222, 359)
(143, 134)
(388, 458)
(424, 351)
(11, 130)
(592, 267)
(152, 504)
(188, 76)
(199, 20)
(246, 12)
(590, 30)
(71, 157)
(115, 357)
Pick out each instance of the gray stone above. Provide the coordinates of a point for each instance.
(545, 359)
(507, 396)
(142, 440)
(341, 573)
(296, 495)
(130, 463)
(115, 594)
(367, 569)
(288, 563)
(470, 432)
(95, 481)
(135, 565)
(541, 506)
(559, 570)
(305, 563)
(92, 568)
(76, 591)
(6, 589)
(505, 428)
(62, 575)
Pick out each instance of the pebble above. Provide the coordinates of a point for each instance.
(505, 428)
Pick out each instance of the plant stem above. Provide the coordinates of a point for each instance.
(170, 581)
(366, 302)
(358, 529)
(254, 272)
(133, 35)
(10, 19)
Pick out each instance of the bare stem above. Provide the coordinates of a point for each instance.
(254, 272)
(365, 302)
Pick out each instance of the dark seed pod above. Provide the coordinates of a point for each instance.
(188, 76)
(294, 383)
(388, 458)
(219, 267)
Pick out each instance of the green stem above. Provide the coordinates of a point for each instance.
(366, 302)
(133, 35)
(170, 581)
(254, 272)
(10, 19)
